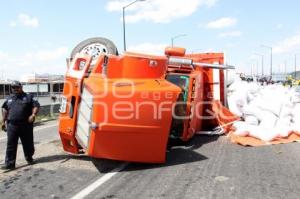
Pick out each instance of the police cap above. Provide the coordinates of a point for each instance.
(16, 84)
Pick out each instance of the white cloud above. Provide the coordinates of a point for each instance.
(39, 61)
(158, 11)
(279, 26)
(25, 20)
(3, 56)
(236, 33)
(12, 24)
(288, 45)
(209, 50)
(47, 55)
(149, 48)
(222, 23)
(253, 57)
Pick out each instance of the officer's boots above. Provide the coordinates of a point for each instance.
(8, 167)
(30, 160)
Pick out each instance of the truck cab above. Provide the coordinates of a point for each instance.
(127, 107)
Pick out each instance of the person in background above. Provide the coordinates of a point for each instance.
(18, 113)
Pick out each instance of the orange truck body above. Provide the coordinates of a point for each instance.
(122, 107)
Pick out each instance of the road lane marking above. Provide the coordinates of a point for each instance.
(35, 129)
(92, 187)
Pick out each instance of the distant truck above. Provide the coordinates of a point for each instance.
(128, 107)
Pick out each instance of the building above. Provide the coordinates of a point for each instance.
(37, 85)
(4, 89)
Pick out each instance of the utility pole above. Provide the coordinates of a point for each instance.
(296, 65)
(124, 29)
(262, 63)
(285, 63)
(257, 68)
(271, 56)
(175, 37)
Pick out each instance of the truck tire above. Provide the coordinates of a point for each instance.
(95, 47)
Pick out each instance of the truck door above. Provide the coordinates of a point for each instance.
(189, 107)
(70, 99)
(194, 105)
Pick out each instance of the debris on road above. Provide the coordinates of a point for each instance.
(270, 113)
(221, 178)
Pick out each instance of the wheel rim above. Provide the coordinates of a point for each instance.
(94, 50)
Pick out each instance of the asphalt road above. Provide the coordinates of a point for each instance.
(207, 167)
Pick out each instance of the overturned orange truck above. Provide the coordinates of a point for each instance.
(128, 107)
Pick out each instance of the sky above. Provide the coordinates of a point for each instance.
(37, 36)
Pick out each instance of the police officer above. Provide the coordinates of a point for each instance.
(19, 112)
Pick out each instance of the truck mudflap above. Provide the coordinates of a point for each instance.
(70, 100)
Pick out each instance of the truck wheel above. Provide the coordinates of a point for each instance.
(95, 47)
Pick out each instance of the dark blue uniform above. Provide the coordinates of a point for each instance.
(19, 108)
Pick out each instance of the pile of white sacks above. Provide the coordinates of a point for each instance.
(268, 112)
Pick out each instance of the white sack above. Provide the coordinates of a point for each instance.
(296, 95)
(252, 110)
(236, 102)
(296, 113)
(282, 131)
(252, 120)
(286, 111)
(296, 128)
(241, 128)
(269, 111)
(268, 120)
(265, 134)
(284, 121)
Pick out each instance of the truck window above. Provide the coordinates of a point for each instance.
(177, 125)
(182, 81)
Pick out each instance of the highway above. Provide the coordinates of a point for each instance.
(207, 167)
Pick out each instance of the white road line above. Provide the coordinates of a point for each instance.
(35, 129)
(89, 189)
